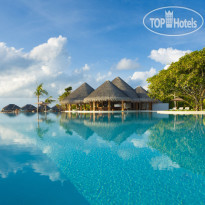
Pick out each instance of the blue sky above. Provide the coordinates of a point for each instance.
(90, 41)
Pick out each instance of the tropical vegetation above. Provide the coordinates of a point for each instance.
(184, 78)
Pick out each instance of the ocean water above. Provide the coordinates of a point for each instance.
(136, 158)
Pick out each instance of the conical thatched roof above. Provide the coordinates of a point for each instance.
(125, 88)
(55, 109)
(29, 108)
(143, 94)
(42, 108)
(107, 91)
(78, 95)
(10, 108)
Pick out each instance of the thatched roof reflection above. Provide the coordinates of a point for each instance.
(75, 125)
(114, 127)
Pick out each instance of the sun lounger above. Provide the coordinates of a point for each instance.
(181, 108)
(174, 108)
(187, 108)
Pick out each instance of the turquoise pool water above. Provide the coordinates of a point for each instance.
(138, 158)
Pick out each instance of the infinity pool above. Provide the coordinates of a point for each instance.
(137, 158)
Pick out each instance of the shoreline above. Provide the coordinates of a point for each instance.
(151, 111)
(135, 111)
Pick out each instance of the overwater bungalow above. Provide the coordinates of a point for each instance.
(43, 108)
(11, 108)
(29, 108)
(55, 109)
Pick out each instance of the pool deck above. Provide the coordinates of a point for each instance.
(133, 111)
(182, 112)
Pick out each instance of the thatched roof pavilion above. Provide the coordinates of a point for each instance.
(10, 108)
(143, 95)
(125, 88)
(29, 108)
(78, 95)
(107, 92)
(116, 95)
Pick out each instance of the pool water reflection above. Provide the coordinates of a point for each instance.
(136, 158)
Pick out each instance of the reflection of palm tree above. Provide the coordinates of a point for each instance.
(41, 132)
(40, 92)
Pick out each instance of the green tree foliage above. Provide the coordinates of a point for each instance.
(49, 100)
(65, 94)
(185, 78)
(183, 146)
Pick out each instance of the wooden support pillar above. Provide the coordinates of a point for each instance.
(90, 106)
(93, 106)
(66, 107)
(137, 106)
(80, 107)
(150, 106)
(84, 106)
(123, 106)
(109, 105)
(97, 105)
(77, 106)
(69, 107)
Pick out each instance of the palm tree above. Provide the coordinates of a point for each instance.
(40, 92)
(49, 100)
(65, 94)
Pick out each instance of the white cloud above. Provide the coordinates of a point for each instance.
(141, 142)
(86, 67)
(20, 71)
(166, 67)
(163, 163)
(127, 64)
(141, 77)
(83, 69)
(101, 77)
(166, 56)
